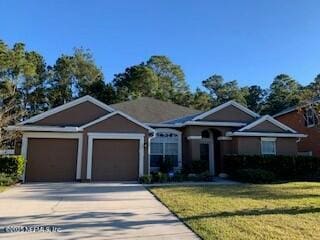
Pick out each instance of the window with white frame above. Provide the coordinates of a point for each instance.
(268, 146)
(310, 117)
(165, 146)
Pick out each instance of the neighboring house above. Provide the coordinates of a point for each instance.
(305, 120)
(88, 140)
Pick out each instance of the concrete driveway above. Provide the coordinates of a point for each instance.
(88, 211)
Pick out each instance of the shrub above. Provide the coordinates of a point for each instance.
(145, 179)
(166, 165)
(284, 167)
(159, 177)
(196, 166)
(12, 165)
(255, 175)
(163, 177)
(179, 177)
(205, 176)
(7, 179)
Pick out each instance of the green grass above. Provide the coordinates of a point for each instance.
(278, 211)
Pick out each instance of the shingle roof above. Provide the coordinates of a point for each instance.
(150, 110)
(291, 109)
(183, 119)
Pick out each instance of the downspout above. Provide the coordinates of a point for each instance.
(149, 148)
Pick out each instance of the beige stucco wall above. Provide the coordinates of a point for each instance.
(287, 146)
(266, 126)
(252, 146)
(75, 116)
(230, 114)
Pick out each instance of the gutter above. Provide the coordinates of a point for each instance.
(198, 123)
(265, 134)
(43, 129)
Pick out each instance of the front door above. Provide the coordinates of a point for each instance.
(206, 154)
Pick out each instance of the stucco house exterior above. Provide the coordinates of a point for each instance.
(88, 140)
(303, 119)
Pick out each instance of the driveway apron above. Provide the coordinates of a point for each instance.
(86, 211)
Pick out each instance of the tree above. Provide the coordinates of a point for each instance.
(136, 81)
(310, 96)
(312, 91)
(171, 80)
(201, 100)
(16, 67)
(10, 113)
(75, 76)
(222, 92)
(158, 78)
(33, 89)
(254, 96)
(284, 93)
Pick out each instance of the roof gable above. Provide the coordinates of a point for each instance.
(230, 111)
(121, 124)
(74, 113)
(267, 124)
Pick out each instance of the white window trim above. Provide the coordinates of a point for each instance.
(27, 135)
(274, 140)
(313, 118)
(66, 106)
(98, 135)
(168, 130)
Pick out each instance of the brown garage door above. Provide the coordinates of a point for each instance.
(115, 160)
(51, 160)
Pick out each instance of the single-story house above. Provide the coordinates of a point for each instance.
(88, 140)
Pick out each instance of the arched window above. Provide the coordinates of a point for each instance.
(205, 134)
(166, 145)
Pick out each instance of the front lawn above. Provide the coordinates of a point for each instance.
(275, 211)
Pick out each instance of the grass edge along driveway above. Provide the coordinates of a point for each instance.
(246, 211)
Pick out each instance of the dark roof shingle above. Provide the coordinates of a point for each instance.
(150, 110)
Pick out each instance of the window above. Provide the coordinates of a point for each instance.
(205, 134)
(268, 146)
(165, 146)
(156, 154)
(310, 118)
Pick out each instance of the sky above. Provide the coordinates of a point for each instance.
(250, 41)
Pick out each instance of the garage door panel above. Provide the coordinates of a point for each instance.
(52, 160)
(115, 160)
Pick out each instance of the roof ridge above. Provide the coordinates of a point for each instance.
(155, 99)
